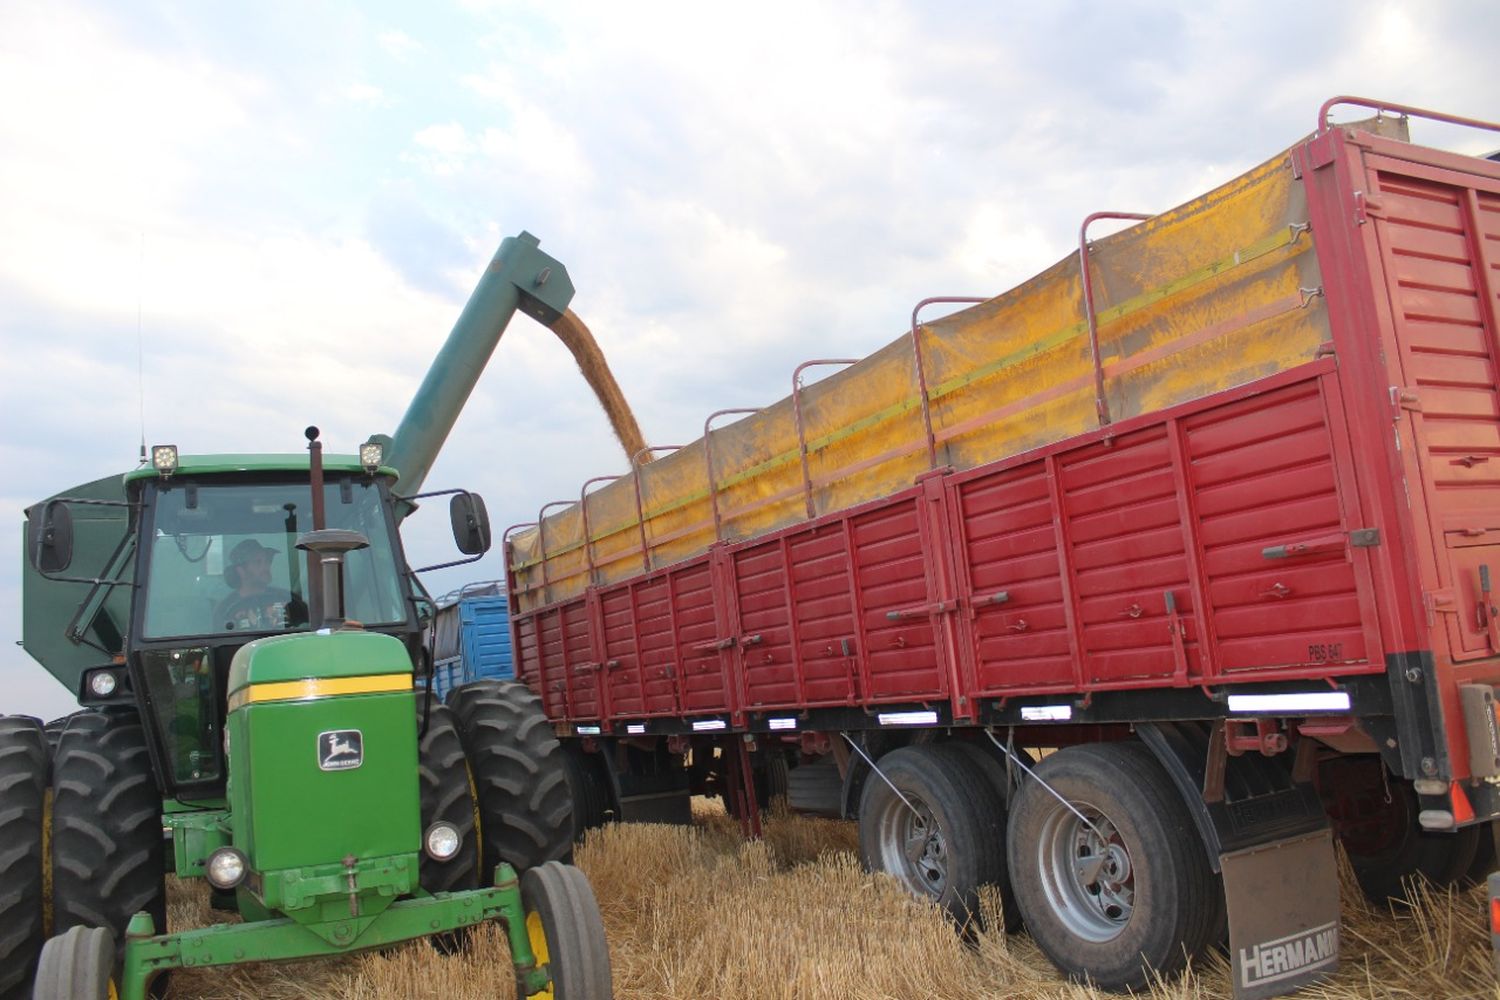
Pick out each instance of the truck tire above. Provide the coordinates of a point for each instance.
(589, 785)
(566, 932)
(1386, 855)
(76, 965)
(24, 763)
(999, 781)
(945, 839)
(815, 788)
(106, 826)
(1144, 846)
(447, 796)
(770, 772)
(525, 806)
(1484, 857)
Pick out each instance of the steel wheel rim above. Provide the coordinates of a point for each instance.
(1087, 873)
(913, 846)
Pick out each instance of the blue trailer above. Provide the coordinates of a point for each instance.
(471, 636)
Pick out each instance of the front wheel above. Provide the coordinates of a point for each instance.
(76, 966)
(566, 933)
(1114, 882)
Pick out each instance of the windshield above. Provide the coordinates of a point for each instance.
(224, 558)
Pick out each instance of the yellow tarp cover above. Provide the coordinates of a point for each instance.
(1207, 296)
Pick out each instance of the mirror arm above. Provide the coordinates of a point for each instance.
(456, 562)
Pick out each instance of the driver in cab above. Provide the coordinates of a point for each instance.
(253, 605)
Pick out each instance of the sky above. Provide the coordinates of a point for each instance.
(220, 223)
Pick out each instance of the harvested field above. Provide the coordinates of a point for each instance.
(697, 913)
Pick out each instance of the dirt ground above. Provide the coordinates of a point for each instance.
(696, 912)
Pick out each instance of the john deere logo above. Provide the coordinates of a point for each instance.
(341, 750)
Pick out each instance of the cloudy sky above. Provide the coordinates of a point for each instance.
(292, 201)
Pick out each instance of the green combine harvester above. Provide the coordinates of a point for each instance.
(244, 634)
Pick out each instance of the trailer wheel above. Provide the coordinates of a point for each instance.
(942, 837)
(1387, 847)
(525, 807)
(447, 796)
(770, 771)
(107, 844)
(1122, 891)
(23, 790)
(77, 966)
(566, 933)
(589, 785)
(1000, 782)
(1484, 857)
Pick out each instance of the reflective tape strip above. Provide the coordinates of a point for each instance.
(312, 688)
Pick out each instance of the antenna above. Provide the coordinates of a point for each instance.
(140, 348)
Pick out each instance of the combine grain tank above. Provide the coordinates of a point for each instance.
(1210, 507)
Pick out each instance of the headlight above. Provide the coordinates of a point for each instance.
(442, 841)
(102, 684)
(371, 454)
(226, 868)
(164, 458)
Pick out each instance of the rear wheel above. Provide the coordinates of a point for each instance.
(525, 806)
(106, 826)
(566, 932)
(1484, 857)
(1377, 824)
(1121, 886)
(23, 790)
(943, 835)
(77, 966)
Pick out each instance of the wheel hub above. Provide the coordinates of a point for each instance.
(1087, 872)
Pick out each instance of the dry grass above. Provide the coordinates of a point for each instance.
(698, 913)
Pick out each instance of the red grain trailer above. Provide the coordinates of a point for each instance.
(1236, 626)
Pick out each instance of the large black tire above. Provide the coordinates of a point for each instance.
(446, 794)
(107, 849)
(24, 760)
(815, 788)
(1003, 784)
(567, 932)
(54, 730)
(76, 965)
(958, 827)
(1399, 850)
(525, 806)
(589, 784)
(770, 771)
(1484, 857)
(1145, 847)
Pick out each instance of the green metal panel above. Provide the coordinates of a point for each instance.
(48, 606)
(521, 277)
(288, 813)
(198, 465)
(316, 655)
(148, 954)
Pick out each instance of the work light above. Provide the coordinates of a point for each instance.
(102, 683)
(371, 454)
(164, 458)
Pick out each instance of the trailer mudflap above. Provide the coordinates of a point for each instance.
(1283, 900)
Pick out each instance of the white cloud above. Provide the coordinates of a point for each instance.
(733, 190)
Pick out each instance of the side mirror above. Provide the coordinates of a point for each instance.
(49, 537)
(471, 523)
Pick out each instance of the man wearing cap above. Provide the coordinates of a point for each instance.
(253, 605)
